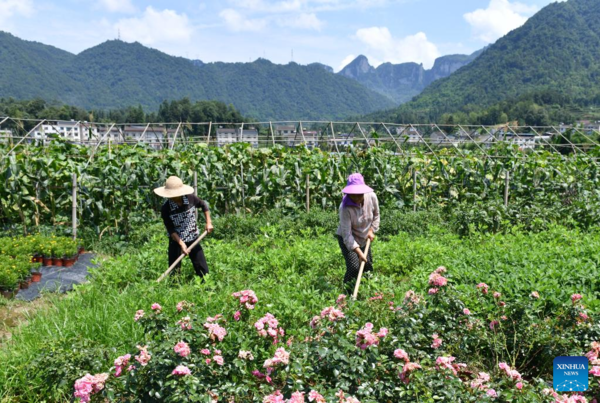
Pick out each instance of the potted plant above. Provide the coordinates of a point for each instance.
(57, 255)
(36, 248)
(56, 251)
(8, 283)
(71, 253)
(46, 252)
(23, 284)
(36, 276)
(23, 269)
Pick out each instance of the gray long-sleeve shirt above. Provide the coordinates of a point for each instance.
(355, 222)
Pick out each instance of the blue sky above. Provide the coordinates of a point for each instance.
(332, 32)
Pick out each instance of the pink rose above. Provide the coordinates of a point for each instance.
(181, 370)
(120, 363)
(182, 349)
(437, 341)
(297, 397)
(483, 287)
(276, 397)
(144, 356)
(316, 397)
(401, 355)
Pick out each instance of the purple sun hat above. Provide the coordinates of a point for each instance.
(356, 185)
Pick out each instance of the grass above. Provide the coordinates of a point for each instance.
(295, 276)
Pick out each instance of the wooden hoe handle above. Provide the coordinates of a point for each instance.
(360, 272)
(192, 246)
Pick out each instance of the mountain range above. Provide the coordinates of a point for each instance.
(117, 74)
(537, 73)
(556, 53)
(402, 82)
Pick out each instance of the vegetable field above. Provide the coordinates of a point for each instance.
(114, 184)
(270, 325)
(486, 269)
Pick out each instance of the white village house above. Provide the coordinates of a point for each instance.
(79, 132)
(230, 136)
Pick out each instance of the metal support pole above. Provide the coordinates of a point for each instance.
(506, 185)
(196, 191)
(243, 190)
(141, 139)
(209, 129)
(334, 139)
(195, 183)
(272, 134)
(398, 148)
(414, 189)
(302, 134)
(175, 136)
(98, 145)
(308, 193)
(363, 134)
(74, 208)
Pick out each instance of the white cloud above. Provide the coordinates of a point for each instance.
(412, 48)
(236, 22)
(498, 19)
(155, 27)
(11, 8)
(118, 6)
(287, 6)
(302, 21)
(272, 7)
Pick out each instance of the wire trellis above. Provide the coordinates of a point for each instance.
(332, 136)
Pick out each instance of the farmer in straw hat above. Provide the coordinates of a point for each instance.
(359, 221)
(179, 216)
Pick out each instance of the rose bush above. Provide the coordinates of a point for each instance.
(447, 345)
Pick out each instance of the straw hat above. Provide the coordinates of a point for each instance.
(356, 185)
(174, 187)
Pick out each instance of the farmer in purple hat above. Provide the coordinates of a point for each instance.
(359, 221)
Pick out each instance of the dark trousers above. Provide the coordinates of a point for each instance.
(196, 256)
(353, 263)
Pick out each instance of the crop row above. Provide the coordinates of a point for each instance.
(115, 184)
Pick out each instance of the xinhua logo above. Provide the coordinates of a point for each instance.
(570, 374)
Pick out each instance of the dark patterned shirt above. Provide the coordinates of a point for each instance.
(182, 219)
